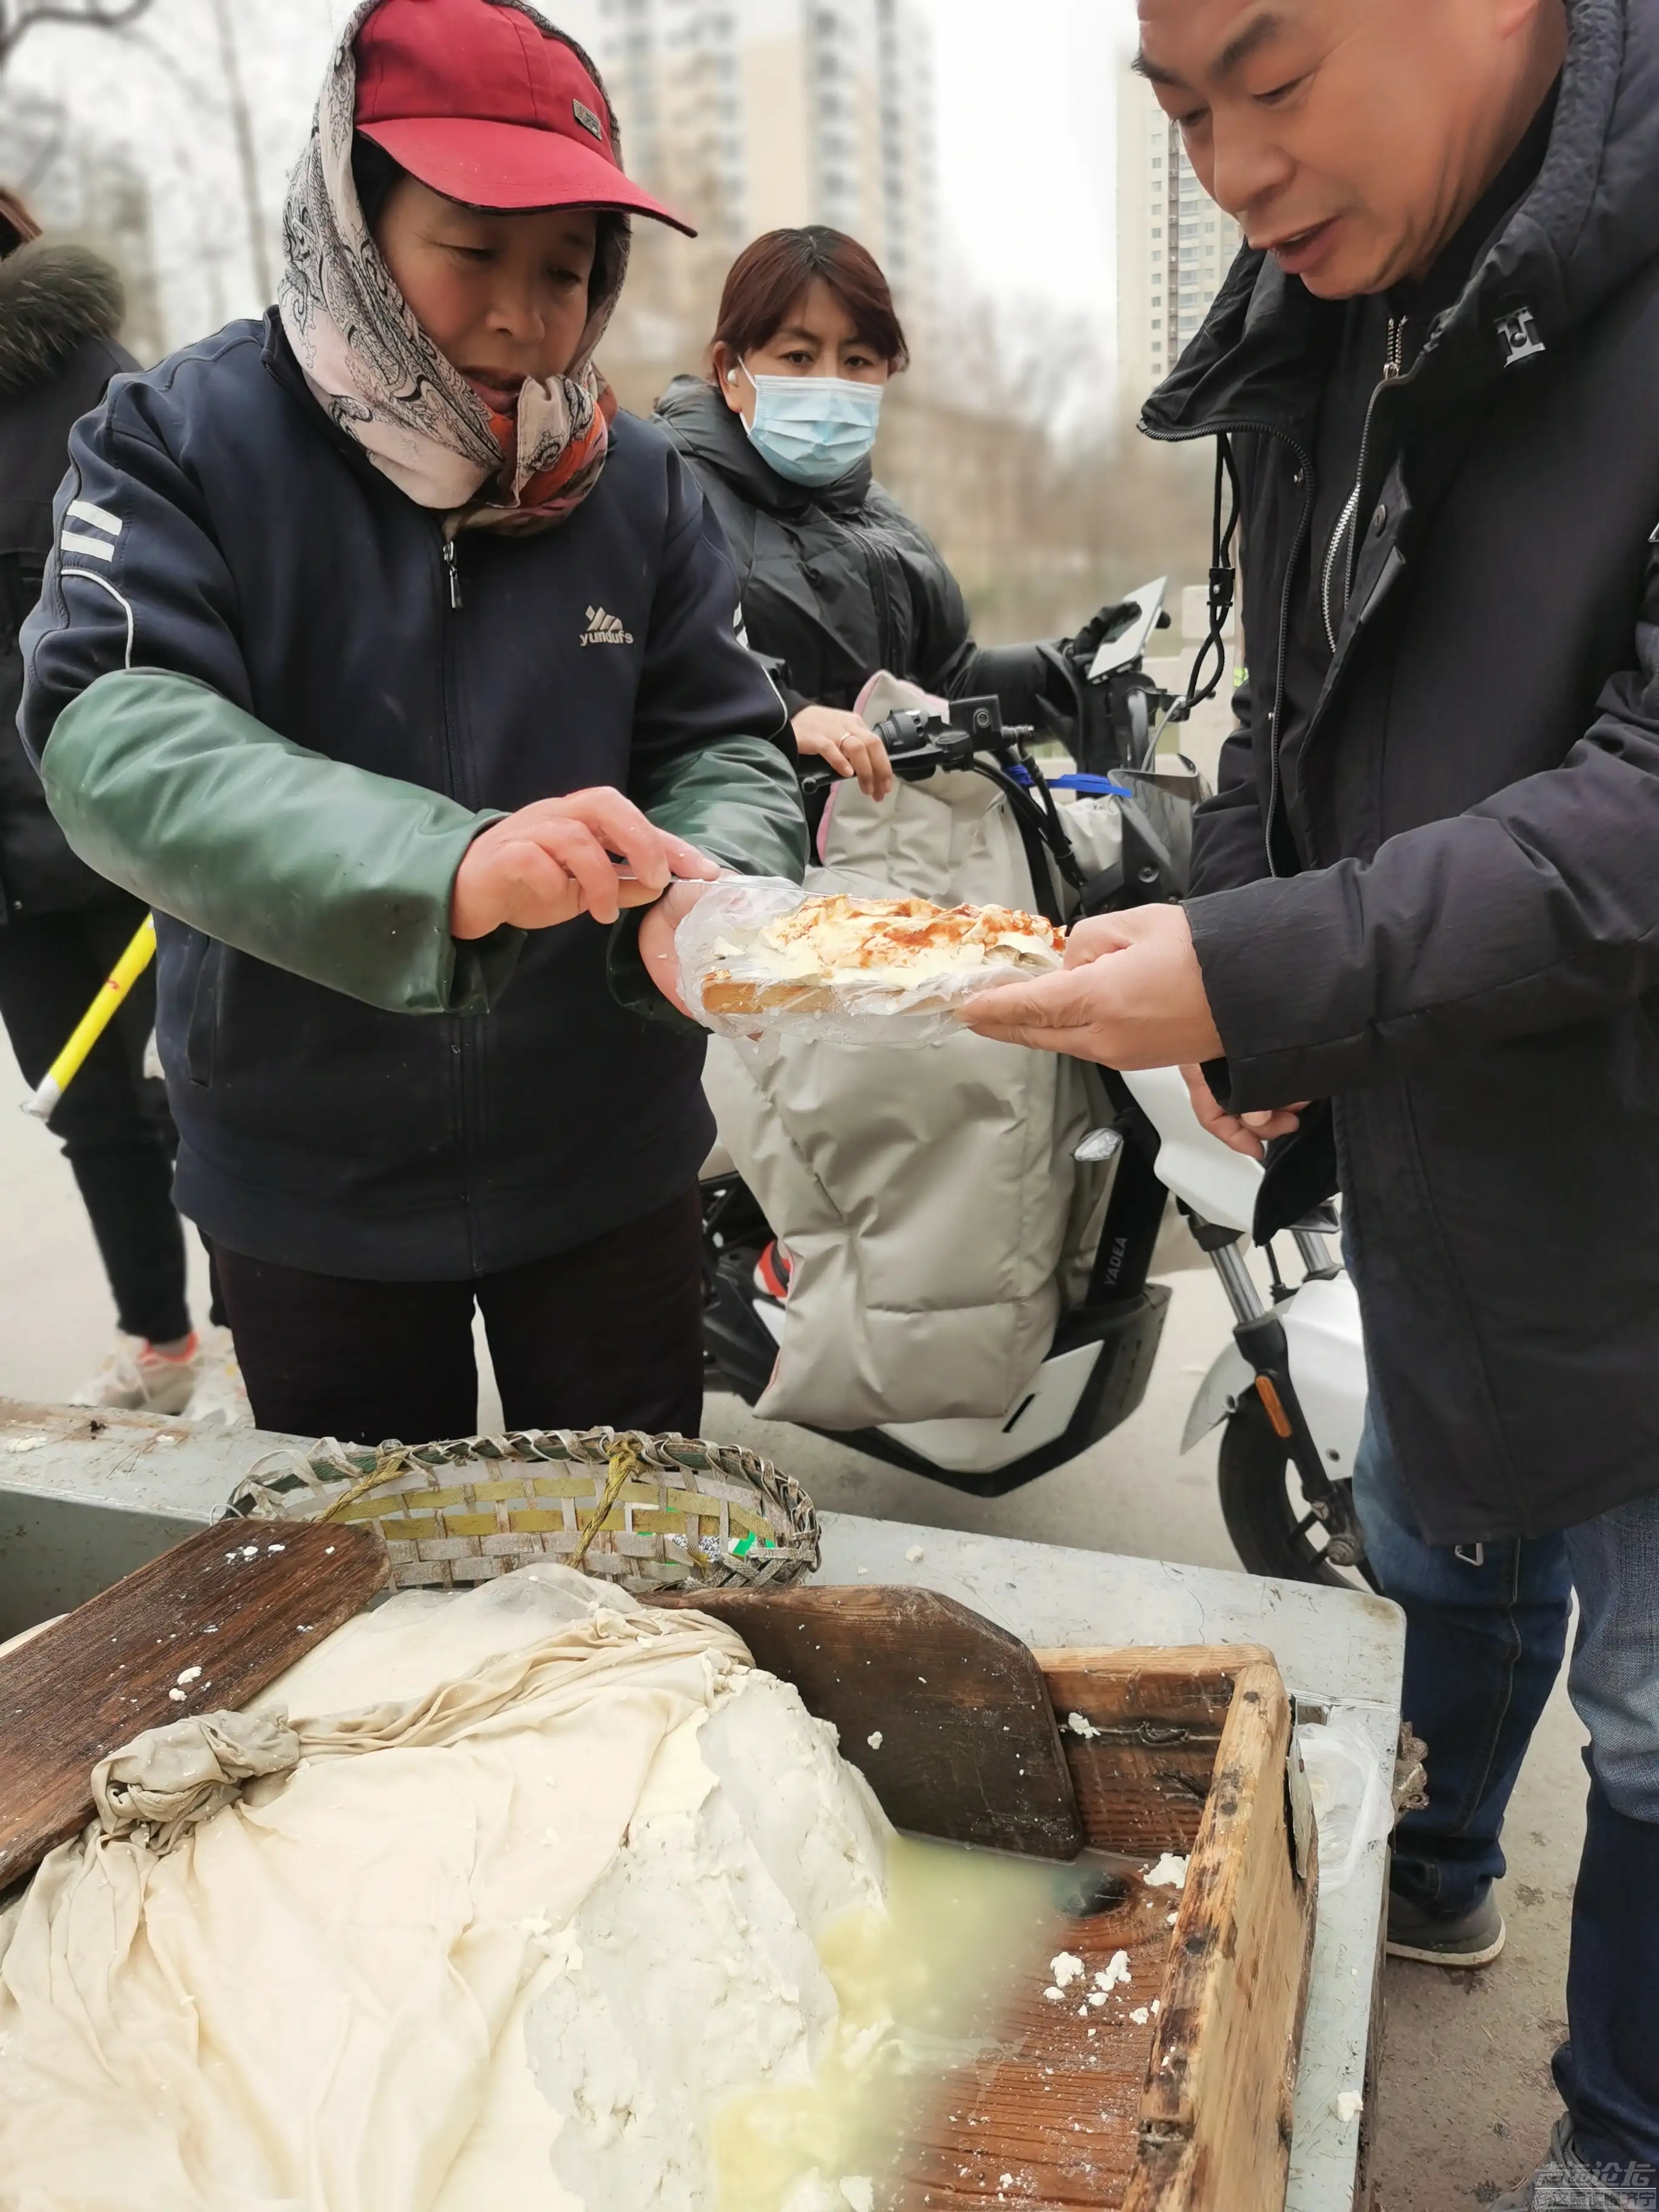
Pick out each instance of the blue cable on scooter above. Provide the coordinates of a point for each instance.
(1090, 786)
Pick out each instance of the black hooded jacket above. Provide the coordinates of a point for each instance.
(839, 582)
(60, 308)
(1436, 903)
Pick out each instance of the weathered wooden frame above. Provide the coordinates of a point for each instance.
(1192, 1751)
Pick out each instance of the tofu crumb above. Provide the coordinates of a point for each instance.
(1140, 2015)
(1349, 2106)
(874, 1740)
(1097, 1997)
(190, 1675)
(1054, 1994)
(1174, 1917)
(1117, 1970)
(177, 1695)
(1079, 1726)
(1169, 1873)
(859, 2192)
(328, 1551)
(275, 1547)
(916, 1555)
(1067, 1968)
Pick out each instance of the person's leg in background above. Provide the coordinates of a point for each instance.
(1608, 2071)
(327, 1356)
(1486, 1629)
(116, 1133)
(220, 1399)
(608, 1336)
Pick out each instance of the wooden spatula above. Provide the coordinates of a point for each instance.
(947, 1715)
(201, 1629)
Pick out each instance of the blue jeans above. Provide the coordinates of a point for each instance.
(1486, 1631)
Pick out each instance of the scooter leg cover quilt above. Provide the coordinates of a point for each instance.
(488, 1901)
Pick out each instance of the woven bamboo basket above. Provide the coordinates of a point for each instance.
(649, 1513)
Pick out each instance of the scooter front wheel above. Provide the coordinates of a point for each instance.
(1273, 1530)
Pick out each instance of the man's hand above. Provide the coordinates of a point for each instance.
(551, 862)
(657, 938)
(1130, 995)
(849, 744)
(1249, 1134)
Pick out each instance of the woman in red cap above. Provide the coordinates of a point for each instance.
(398, 673)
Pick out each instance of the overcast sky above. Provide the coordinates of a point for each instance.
(1027, 102)
(1028, 139)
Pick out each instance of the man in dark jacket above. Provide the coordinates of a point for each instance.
(1427, 888)
(63, 928)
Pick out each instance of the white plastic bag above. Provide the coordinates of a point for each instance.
(1351, 1799)
(714, 941)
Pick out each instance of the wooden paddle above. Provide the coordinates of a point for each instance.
(201, 1629)
(947, 1716)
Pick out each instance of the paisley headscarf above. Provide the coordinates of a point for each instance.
(379, 377)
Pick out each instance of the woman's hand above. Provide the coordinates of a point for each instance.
(1249, 1134)
(551, 862)
(850, 745)
(657, 938)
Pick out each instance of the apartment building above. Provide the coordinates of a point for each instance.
(1174, 244)
(756, 114)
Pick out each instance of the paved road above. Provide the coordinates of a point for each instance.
(1466, 2102)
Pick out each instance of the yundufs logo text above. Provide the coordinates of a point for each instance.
(605, 629)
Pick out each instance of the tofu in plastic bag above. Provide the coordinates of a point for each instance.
(758, 956)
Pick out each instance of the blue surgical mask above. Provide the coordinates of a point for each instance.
(813, 429)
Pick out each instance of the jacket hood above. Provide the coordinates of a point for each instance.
(706, 431)
(1589, 222)
(52, 298)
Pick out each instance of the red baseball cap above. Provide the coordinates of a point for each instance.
(479, 101)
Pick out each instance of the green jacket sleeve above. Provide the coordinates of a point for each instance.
(325, 869)
(738, 801)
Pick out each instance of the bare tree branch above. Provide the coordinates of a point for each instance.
(19, 17)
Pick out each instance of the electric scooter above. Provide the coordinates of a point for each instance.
(1290, 1385)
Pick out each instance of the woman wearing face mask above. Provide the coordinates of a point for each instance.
(396, 671)
(837, 581)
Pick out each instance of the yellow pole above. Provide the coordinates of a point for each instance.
(92, 1024)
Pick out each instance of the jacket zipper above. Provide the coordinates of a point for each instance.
(460, 1038)
(1305, 471)
(1393, 368)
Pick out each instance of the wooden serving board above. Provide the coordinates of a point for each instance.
(241, 1600)
(947, 1716)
